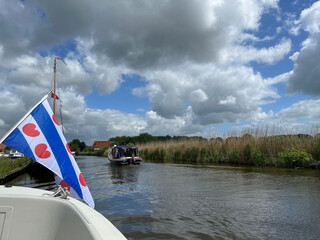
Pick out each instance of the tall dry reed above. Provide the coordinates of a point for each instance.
(261, 146)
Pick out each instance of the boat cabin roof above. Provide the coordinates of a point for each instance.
(124, 146)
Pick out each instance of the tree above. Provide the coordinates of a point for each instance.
(145, 137)
(76, 145)
(82, 146)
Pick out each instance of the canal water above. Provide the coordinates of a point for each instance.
(181, 201)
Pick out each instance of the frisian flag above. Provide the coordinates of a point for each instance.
(38, 136)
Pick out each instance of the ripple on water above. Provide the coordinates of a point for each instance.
(179, 201)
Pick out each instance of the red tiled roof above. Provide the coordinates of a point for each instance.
(101, 144)
(2, 147)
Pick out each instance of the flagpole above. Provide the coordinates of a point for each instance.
(61, 119)
(54, 85)
(24, 117)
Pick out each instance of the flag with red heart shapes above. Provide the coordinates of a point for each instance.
(39, 136)
(54, 96)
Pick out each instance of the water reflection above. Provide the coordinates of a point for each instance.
(124, 174)
(36, 176)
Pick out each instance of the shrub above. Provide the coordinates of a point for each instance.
(253, 155)
(100, 152)
(218, 157)
(234, 156)
(258, 157)
(203, 155)
(247, 153)
(162, 154)
(168, 155)
(144, 153)
(295, 157)
(156, 154)
(316, 148)
(178, 155)
(191, 154)
(151, 154)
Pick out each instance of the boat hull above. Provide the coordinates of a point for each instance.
(125, 161)
(28, 213)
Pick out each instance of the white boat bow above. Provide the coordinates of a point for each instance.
(28, 213)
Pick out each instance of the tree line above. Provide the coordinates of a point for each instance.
(146, 137)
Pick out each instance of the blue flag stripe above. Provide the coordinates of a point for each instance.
(17, 141)
(48, 128)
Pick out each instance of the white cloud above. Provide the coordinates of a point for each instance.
(2, 123)
(279, 79)
(12, 107)
(198, 96)
(225, 94)
(269, 55)
(139, 34)
(303, 109)
(183, 125)
(103, 73)
(310, 18)
(300, 117)
(92, 124)
(228, 100)
(306, 74)
(194, 57)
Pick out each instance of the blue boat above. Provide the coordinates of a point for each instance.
(124, 155)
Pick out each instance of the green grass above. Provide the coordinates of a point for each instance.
(101, 153)
(8, 164)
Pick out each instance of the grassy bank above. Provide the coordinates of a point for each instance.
(101, 153)
(8, 164)
(289, 151)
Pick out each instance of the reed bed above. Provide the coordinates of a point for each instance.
(259, 147)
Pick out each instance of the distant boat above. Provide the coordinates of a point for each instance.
(15, 154)
(124, 155)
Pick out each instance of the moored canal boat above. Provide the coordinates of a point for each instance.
(124, 155)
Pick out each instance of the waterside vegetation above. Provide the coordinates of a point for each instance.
(8, 164)
(90, 152)
(289, 151)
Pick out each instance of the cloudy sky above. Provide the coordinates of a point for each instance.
(170, 67)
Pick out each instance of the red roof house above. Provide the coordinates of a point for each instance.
(97, 145)
(2, 147)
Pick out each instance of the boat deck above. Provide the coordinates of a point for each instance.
(27, 213)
